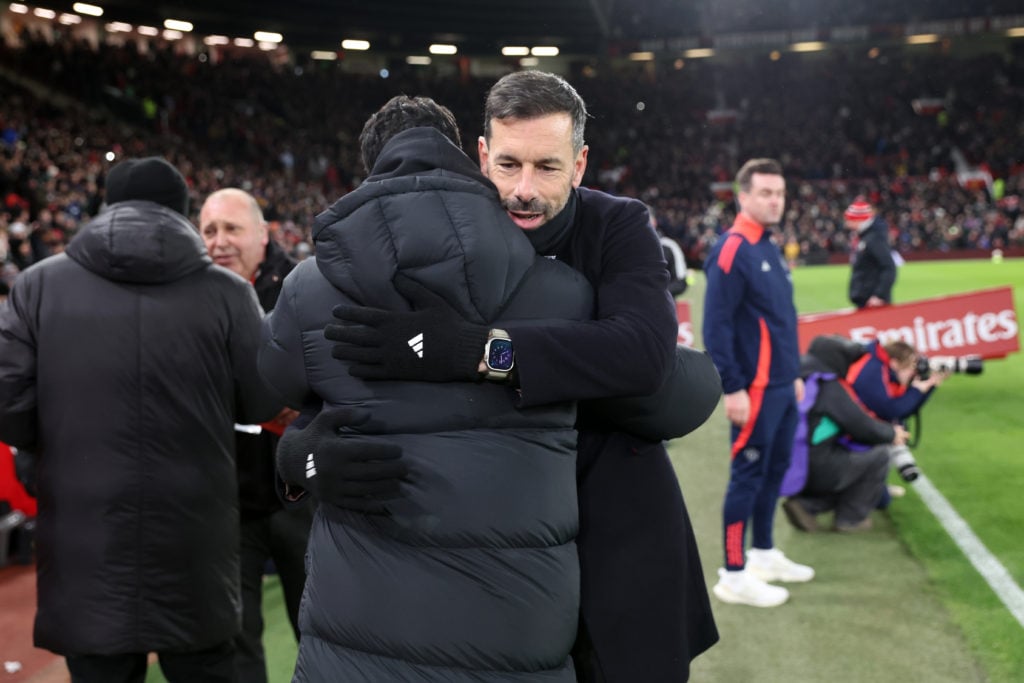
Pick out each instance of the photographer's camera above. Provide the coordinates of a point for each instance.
(966, 365)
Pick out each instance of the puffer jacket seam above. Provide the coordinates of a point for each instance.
(443, 196)
(338, 515)
(405, 660)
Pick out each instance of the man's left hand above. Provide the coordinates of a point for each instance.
(431, 343)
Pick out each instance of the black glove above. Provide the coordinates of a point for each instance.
(430, 344)
(340, 469)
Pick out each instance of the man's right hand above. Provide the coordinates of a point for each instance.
(341, 469)
(737, 407)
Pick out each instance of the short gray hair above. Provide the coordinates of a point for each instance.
(531, 94)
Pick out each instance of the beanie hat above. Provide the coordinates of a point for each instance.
(859, 211)
(151, 179)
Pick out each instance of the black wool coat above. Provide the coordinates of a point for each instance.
(645, 611)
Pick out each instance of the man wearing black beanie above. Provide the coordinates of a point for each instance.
(151, 179)
(126, 362)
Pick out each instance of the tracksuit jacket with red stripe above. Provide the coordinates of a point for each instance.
(749, 317)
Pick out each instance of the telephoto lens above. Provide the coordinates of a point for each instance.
(904, 462)
(967, 365)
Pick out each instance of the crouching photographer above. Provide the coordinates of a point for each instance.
(892, 381)
(841, 454)
(887, 377)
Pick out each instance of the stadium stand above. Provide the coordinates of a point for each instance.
(947, 173)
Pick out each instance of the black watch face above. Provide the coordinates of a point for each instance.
(499, 356)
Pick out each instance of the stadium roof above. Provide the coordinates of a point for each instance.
(483, 26)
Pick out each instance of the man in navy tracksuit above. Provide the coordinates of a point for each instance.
(750, 332)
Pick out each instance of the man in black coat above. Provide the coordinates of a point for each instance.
(124, 363)
(874, 270)
(645, 613)
(235, 233)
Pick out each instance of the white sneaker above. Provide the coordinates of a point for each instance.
(772, 565)
(743, 588)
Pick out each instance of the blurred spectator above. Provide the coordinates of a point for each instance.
(874, 270)
(235, 235)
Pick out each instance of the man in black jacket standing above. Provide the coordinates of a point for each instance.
(124, 363)
(874, 270)
(235, 233)
(645, 613)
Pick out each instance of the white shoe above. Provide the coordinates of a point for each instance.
(772, 565)
(897, 491)
(743, 588)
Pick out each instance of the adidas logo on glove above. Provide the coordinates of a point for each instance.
(310, 467)
(416, 344)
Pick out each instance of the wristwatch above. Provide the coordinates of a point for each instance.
(498, 355)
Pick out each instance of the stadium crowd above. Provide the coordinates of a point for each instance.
(286, 132)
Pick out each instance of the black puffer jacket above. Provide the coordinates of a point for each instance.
(125, 363)
(474, 575)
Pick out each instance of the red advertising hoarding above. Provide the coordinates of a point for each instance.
(983, 322)
(685, 336)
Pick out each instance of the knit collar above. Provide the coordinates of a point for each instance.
(548, 238)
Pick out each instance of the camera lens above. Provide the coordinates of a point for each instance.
(904, 462)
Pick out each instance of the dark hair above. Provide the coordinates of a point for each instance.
(531, 94)
(402, 113)
(746, 172)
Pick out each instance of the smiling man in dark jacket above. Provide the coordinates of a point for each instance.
(235, 233)
(124, 363)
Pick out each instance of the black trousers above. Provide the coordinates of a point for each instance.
(848, 482)
(281, 537)
(215, 665)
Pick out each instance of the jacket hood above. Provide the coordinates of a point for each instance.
(426, 211)
(422, 150)
(139, 241)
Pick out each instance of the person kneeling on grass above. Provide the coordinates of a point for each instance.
(841, 454)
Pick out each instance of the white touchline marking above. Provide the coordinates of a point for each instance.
(994, 573)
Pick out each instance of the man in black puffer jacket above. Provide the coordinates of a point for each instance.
(124, 364)
(473, 574)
